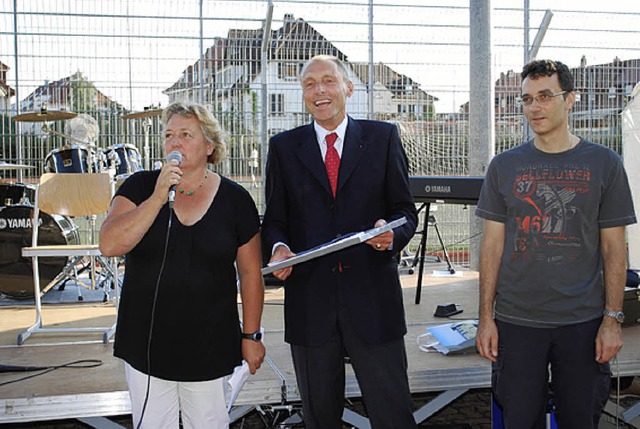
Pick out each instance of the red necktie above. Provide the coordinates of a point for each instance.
(332, 161)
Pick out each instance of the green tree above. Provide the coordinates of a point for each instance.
(83, 93)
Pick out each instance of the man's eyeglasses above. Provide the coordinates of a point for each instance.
(544, 98)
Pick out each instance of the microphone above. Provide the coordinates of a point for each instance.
(173, 156)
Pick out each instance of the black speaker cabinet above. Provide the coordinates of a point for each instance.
(631, 306)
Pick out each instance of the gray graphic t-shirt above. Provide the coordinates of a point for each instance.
(553, 207)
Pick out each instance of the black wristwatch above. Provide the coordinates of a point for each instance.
(256, 336)
(618, 315)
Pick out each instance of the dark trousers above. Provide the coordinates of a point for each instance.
(520, 377)
(381, 371)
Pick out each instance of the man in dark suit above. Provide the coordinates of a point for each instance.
(347, 303)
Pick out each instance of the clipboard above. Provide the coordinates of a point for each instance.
(333, 246)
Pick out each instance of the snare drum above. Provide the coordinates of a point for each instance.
(16, 275)
(124, 159)
(16, 193)
(68, 159)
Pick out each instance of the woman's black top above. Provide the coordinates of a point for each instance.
(196, 330)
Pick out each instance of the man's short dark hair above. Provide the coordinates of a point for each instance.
(538, 68)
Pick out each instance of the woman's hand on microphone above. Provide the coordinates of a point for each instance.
(170, 175)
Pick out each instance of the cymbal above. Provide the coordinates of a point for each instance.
(7, 166)
(143, 114)
(44, 116)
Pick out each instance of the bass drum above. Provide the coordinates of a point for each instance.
(16, 275)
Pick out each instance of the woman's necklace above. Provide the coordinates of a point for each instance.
(189, 193)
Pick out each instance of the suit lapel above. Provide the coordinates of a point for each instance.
(308, 152)
(352, 151)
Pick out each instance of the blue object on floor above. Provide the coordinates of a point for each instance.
(496, 416)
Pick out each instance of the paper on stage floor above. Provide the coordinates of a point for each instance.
(333, 246)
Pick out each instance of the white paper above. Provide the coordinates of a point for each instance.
(236, 381)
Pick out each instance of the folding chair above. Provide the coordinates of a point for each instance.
(69, 194)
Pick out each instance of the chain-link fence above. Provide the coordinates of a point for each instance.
(117, 63)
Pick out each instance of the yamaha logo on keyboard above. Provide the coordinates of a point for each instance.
(447, 189)
(438, 189)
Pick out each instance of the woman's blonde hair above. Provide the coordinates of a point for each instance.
(210, 126)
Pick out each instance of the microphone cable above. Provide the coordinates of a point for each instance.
(83, 363)
(153, 315)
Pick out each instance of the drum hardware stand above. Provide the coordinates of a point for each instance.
(146, 126)
(93, 274)
(24, 200)
(66, 275)
(147, 113)
(46, 129)
(69, 272)
(92, 262)
(114, 164)
(92, 259)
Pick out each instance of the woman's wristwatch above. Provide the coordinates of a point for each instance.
(256, 336)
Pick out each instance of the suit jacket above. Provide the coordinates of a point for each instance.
(301, 212)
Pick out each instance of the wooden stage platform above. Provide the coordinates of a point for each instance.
(102, 391)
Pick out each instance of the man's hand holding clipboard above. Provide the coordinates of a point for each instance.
(282, 253)
(380, 238)
(382, 241)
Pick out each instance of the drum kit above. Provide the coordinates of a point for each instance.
(16, 199)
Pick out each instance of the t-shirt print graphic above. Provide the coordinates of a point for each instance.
(549, 195)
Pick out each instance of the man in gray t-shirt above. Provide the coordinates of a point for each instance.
(553, 262)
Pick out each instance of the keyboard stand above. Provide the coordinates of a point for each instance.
(422, 249)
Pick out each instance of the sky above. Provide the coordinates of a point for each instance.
(133, 59)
